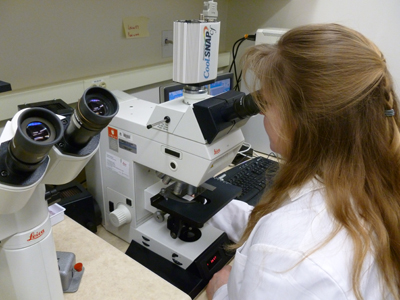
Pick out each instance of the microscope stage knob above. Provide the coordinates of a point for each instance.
(120, 216)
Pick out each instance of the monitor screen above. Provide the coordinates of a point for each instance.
(222, 84)
(172, 95)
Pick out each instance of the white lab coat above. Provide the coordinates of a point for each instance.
(272, 265)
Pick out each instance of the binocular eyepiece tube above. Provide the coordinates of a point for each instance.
(246, 107)
(94, 112)
(38, 130)
(240, 108)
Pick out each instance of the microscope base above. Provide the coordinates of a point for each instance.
(30, 271)
(195, 278)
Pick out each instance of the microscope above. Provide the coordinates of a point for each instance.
(153, 173)
(38, 147)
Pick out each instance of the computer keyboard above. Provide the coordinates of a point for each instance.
(253, 176)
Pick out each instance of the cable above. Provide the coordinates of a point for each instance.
(242, 152)
(233, 64)
(235, 50)
(50, 194)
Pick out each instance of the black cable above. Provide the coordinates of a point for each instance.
(234, 53)
(235, 50)
(48, 195)
(237, 78)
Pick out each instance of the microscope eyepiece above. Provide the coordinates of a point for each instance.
(98, 107)
(218, 115)
(38, 130)
(94, 111)
(240, 107)
(245, 107)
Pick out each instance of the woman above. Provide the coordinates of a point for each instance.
(329, 228)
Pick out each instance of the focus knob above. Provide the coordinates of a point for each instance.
(159, 216)
(120, 216)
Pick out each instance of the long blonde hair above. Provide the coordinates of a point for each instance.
(336, 99)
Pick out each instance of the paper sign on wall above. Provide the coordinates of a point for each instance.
(136, 27)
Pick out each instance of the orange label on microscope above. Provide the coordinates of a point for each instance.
(113, 133)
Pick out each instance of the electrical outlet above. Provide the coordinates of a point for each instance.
(167, 43)
(101, 82)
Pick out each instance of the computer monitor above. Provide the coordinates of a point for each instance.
(222, 84)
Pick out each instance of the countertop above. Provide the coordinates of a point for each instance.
(109, 273)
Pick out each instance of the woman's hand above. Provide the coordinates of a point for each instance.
(219, 279)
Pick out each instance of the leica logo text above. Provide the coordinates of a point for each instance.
(36, 235)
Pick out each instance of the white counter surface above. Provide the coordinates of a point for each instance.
(109, 273)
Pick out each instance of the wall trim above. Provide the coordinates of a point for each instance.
(70, 92)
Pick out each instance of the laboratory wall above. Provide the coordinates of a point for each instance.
(378, 20)
(46, 42)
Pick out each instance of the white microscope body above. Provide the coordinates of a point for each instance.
(34, 151)
(124, 174)
(153, 173)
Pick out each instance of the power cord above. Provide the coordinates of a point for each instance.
(235, 49)
(243, 152)
(52, 195)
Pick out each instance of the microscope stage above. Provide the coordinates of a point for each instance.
(195, 212)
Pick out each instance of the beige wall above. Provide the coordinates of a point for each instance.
(49, 41)
(378, 20)
(245, 17)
